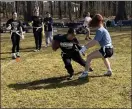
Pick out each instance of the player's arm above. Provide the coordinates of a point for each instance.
(8, 25)
(56, 42)
(77, 43)
(21, 29)
(93, 42)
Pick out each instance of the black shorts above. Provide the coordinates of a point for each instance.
(107, 53)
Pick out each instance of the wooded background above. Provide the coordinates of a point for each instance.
(68, 9)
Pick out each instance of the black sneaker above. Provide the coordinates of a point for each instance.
(108, 73)
(13, 57)
(70, 77)
(90, 69)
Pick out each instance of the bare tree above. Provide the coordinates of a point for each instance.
(69, 10)
(60, 11)
(121, 14)
(81, 9)
(65, 8)
(51, 8)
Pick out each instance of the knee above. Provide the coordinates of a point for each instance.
(89, 58)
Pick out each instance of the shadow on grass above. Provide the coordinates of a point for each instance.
(8, 52)
(51, 83)
(6, 58)
(48, 83)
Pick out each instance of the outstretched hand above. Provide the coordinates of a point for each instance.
(82, 51)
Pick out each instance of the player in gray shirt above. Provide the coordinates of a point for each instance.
(102, 38)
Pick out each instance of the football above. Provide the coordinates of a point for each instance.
(55, 45)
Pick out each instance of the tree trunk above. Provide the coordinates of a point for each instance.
(29, 10)
(69, 10)
(81, 9)
(25, 11)
(114, 8)
(86, 6)
(121, 14)
(51, 8)
(60, 11)
(65, 9)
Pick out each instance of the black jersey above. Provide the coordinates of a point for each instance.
(67, 46)
(15, 24)
(37, 21)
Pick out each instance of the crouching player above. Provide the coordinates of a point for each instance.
(70, 50)
(106, 51)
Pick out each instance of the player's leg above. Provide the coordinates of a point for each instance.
(50, 36)
(40, 38)
(88, 34)
(17, 45)
(36, 39)
(68, 65)
(108, 53)
(13, 39)
(93, 55)
(46, 38)
(77, 58)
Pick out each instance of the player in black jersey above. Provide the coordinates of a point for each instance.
(16, 32)
(70, 50)
(37, 29)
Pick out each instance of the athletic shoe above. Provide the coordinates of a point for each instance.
(70, 77)
(17, 54)
(36, 50)
(90, 69)
(83, 75)
(108, 73)
(13, 55)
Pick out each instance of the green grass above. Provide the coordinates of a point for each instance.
(38, 80)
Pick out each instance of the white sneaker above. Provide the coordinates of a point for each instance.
(108, 73)
(36, 50)
(17, 54)
(83, 75)
(13, 55)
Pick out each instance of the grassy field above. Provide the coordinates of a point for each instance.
(38, 80)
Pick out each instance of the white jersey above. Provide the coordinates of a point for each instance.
(86, 21)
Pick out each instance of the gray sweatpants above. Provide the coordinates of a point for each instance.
(48, 37)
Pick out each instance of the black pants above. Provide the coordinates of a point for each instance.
(15, 42)
(67, 61)
(38, 37)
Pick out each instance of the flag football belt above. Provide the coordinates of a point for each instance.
(17, 32)
(37, 28)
